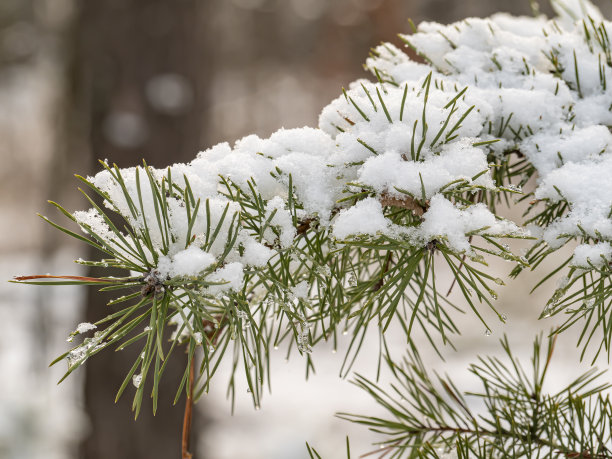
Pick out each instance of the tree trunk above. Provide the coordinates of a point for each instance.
(141, 76)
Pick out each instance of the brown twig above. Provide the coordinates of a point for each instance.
(188, 414)
(77, 278)
(212, 333)
(304, 225)
(407, 202)
(385, 269)
(516, 152)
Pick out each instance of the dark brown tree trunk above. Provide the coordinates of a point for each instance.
(141, 79)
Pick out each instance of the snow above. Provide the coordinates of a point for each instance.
(188, 263)
(230, 277)
(546, 81)
(365, 217)
(597, 255)
(457, 161)
(300, 290)
(557, 118)
(93, 220)
(255, 253)
(444, 220)
(548, 151)
(137, 380)
(282, 221)
(588, 189)
(84, 327)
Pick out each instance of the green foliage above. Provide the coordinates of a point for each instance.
(428, 416)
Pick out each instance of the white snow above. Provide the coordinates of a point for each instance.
(542, 86)
(84, 327)
(597, 255)
(255, 253)
(189, 262)
(456, 161)
(230, 277)
(444, 220)
(282, 221)
(300, 290)
(365, 217)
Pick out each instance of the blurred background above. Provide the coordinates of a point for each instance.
(161, 80)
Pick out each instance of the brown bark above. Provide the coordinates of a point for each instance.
(188, 416)
(125, 47)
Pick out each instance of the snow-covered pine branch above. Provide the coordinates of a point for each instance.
(319, 231)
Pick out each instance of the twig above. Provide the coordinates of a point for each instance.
(407, 202)
(188, 414)
(540, 442)
(47, 276)
(385, 269)
(304, 225)
(212, 334)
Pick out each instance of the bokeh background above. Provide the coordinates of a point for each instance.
(161, 80)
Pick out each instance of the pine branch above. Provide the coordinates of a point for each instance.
(518, 416)
(312, 233)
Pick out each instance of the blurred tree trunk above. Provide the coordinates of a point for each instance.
(141, 80)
